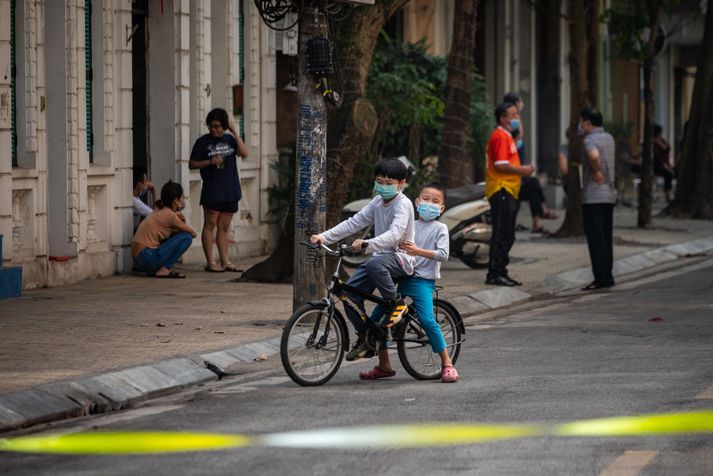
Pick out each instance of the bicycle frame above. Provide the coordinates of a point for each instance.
(339, 289)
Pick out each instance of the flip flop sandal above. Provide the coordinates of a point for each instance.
(550, 215)
(230, 267)
(171, 275)
(213, 268)
(539, 230)
(375, 373)
(449, 374)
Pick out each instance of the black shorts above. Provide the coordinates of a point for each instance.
(222, 207)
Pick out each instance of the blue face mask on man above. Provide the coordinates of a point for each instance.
(428, 211)
(387, 192)
(580, 129)
(515, 124)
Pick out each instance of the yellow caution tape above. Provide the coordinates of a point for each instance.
(661, 424)
(403, 436)
(386, 436)
(123, 443)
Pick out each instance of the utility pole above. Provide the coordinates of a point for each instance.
(311, 167)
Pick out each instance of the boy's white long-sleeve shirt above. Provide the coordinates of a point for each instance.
(431, 235)
(393, 225)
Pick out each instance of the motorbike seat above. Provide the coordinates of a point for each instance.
(465, 193)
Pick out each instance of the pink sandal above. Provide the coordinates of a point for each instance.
(375, 373)
(449, 374)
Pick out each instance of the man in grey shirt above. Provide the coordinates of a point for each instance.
(598, 196)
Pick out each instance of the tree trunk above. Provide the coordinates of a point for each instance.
(694, 188)
(278, 267)
(456, 167)
(656, 11)
(581, 96)
(352, 127)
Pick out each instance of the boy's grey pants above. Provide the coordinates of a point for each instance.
(379, 272)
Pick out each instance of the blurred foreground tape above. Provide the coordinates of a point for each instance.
(662, 424)
(394, 436)
(123, 443)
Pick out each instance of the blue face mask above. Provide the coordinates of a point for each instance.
(580, 130)
(428, 211)
(515, 124)
(387, 192)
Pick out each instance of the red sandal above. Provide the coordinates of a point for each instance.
(375, 373)
(449, 374)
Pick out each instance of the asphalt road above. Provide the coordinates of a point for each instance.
(643, 348)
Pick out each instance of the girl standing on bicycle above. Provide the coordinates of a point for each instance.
(430, 248)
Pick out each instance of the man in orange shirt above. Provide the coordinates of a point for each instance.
(502, 186)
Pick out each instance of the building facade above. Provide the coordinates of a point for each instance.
(90, 89)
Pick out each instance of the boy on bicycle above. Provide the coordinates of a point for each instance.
(391, 214)
(431, 248)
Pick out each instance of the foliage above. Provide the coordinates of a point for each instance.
(406, 86)
(629, 23)
(425, 174)
(481, 121)
(281, 194)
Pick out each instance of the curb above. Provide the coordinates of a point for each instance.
(102, 393)
(490, 299)
(122, 389)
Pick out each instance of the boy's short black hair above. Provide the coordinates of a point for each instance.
(391, 168)
(657, 130)
(512, 97)
(501, 110)
(139, 174)
(592, 115)
(438, 186)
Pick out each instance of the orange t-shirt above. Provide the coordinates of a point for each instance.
(155, 228)
(501, 150)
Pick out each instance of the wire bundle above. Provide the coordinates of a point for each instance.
(273, 12)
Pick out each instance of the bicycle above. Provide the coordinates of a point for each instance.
(315, 337)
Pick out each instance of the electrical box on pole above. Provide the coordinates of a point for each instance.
(311, 165)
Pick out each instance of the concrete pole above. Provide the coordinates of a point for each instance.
(311, 169)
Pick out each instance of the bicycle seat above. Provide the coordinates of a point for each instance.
(465, 193)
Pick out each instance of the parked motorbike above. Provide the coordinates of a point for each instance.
(467, 216)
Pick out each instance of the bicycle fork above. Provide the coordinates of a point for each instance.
(329, 316)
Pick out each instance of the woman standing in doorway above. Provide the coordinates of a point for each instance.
(215, 155)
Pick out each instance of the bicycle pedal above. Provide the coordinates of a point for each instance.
(396, 315)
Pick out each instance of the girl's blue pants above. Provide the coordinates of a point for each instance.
(421, 292)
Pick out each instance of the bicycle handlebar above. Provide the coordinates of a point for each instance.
(328, 250)
(316, 246)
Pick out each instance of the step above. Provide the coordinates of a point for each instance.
(10, 282)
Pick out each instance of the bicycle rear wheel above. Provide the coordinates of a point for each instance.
(313, 345)
(414, 347)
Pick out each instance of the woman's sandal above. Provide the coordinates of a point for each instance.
(539, 229)
(375, 373)
(171, 275)
(550, 215)
(449, 374)
(230, 267)
(213, 267)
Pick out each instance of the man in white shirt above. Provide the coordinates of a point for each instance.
(142, 185)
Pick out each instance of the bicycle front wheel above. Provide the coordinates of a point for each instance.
(313, 344)
(414, 347)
